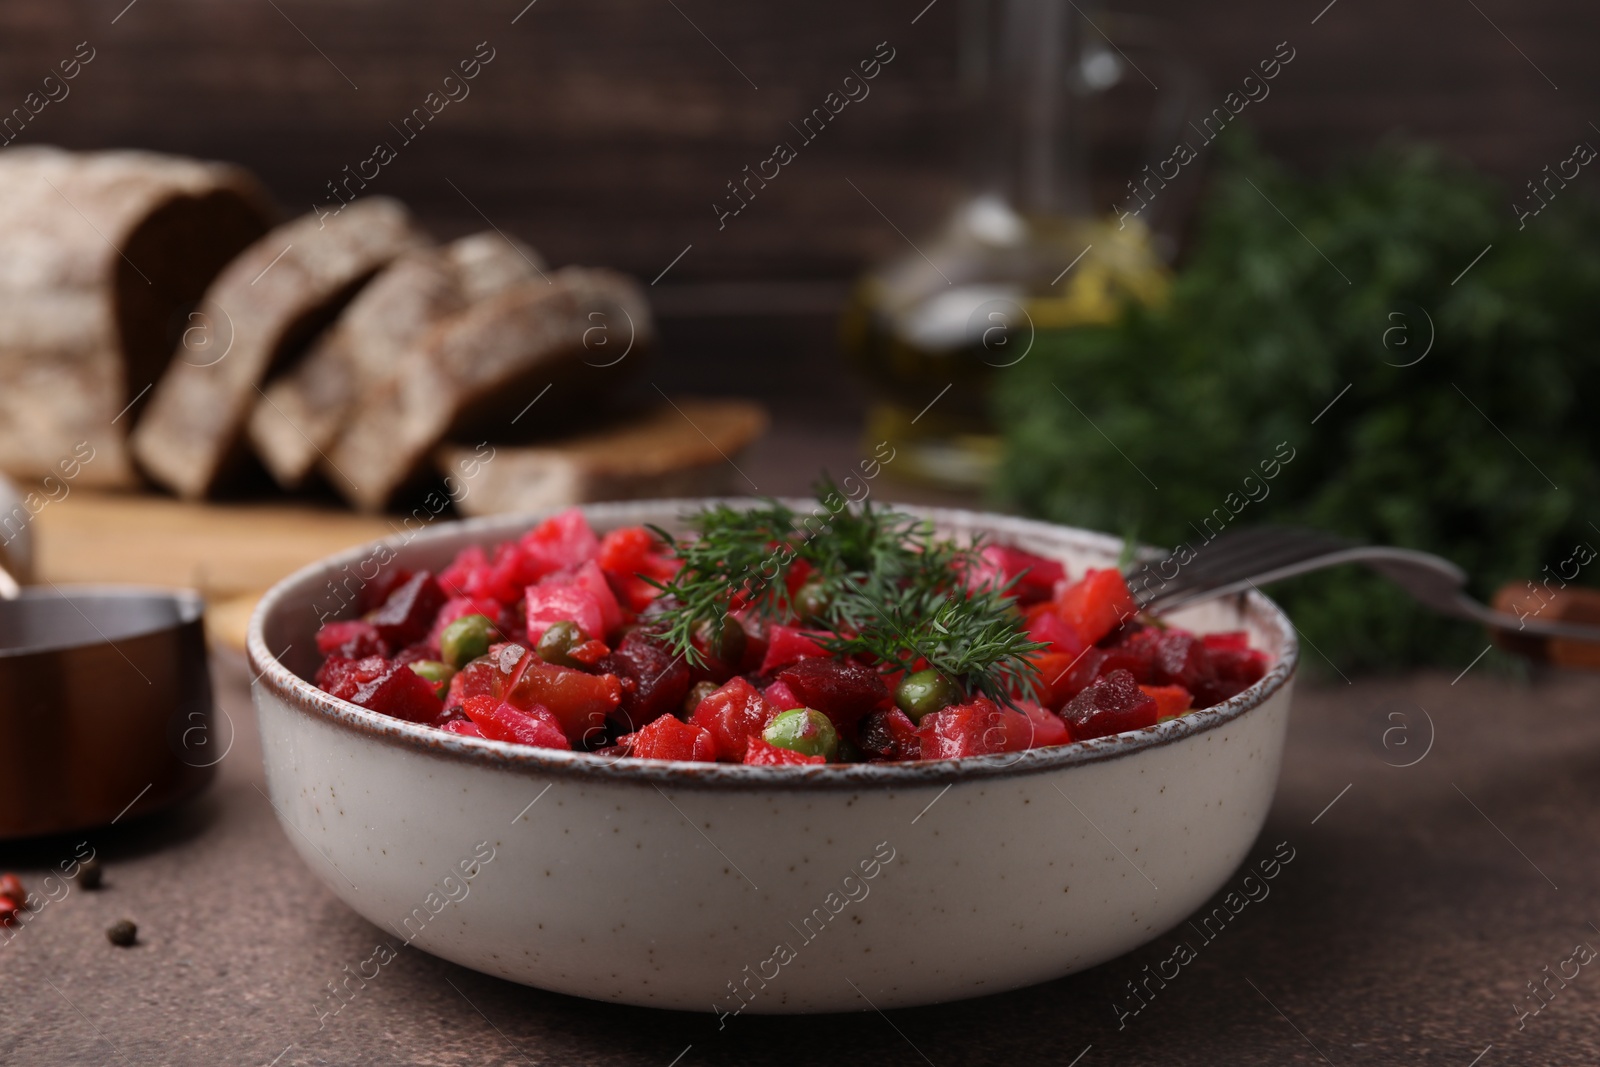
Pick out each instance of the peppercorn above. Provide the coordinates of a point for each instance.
(924, 693)
(9, 907)
(805, 731)
(11, 886)
(89, 874)
(697, 692)
(558, 642)
(122, 933)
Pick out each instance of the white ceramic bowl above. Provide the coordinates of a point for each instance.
(763, 889)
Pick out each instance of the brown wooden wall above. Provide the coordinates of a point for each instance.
(603, 129)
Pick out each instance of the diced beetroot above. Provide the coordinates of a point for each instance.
(755, 642)
(653, 680)
(1044, 623)
(554, 601)
(842, 690)
(511, 567)
(589, 653)
(414, 652)
(579, 701)
(1137, 658)
(351, 639)
(977, 728)
(1062, 677)
(1111, 705)
(1246, 665)
(583, 596)
(472, 574)
(457, 578)
(1047, 727)
(998, 564)
(761, 754)
(782, 697)
(732, 715)
(476, 679)
(386, 581)
(630, 555)
(672, 738)
(459, 607)
(398, 691)
(528, 725)
(560, 542)
(788, 644)
(590, 576)
(1242, 671)
(796, 575)
(465, 727)
(888, 735)
(1181, 659)
(451, 713)
(342, 676)
(1096, 604)
(1237, 640)
(1171, 700)
(408, 613)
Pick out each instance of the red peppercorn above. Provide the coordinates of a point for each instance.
(11, 886)
(9, 908)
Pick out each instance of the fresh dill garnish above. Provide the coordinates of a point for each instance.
(891, 589)
(733, 553)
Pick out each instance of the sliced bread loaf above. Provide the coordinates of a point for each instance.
(104, 253)
(300, 415)
(480, 370)
(258, 316)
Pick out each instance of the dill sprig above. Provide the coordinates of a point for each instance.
(894, 590)
(733, 553)
(973, 637)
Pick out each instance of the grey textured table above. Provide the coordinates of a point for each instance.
(1419, 902)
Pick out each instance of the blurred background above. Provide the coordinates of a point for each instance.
(603, 132)
(1131, 394)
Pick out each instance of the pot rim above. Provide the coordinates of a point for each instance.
(187, 604)
(306, 699)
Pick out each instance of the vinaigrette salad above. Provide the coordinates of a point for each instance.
(767, 636)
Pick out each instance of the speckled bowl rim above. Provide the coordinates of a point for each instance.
(308, 700)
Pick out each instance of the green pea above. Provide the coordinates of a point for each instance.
(434, 671)
(805, 731)
(698, 692)
(558, 641)
(924, 693)
(467, 638)
(811, 602)
(726, 647)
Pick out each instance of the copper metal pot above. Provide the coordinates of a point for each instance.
(105, 706)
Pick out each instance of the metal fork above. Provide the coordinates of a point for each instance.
(1244, 559)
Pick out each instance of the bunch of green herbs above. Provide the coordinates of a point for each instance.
(1429, 362)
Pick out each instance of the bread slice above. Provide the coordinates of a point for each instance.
(687, 450)
(258, 315)
(479, 371)
(104, 253)
(299, 416)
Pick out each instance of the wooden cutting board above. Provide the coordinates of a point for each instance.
(230, 552)
(233, 552)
